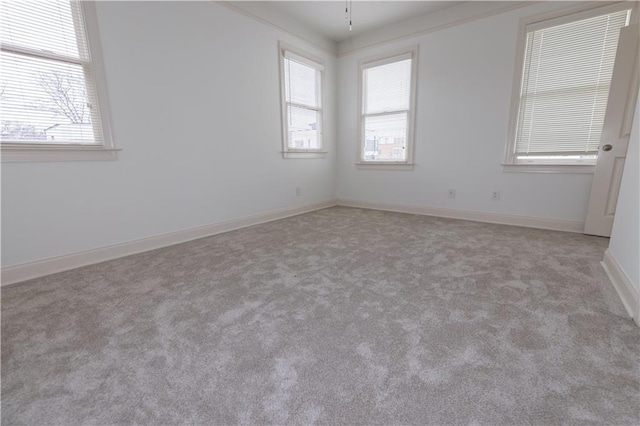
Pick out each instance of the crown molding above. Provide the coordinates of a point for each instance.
(424, 24)
(262, 13)
(414, 27)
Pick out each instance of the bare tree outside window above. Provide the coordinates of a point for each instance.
(67, 96)
(63, 94)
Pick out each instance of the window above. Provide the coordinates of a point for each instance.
(301, 76)
(52, 107)
(563, 87)
(387, 100)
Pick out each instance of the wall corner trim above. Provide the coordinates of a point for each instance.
(475, 216)
(627, 292)
(40, 268)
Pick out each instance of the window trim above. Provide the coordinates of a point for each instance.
(314, 62)
(537, 22)
(379, 60)
(36, 152)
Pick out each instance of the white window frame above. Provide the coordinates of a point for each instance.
(537, 22)
(314, 62)
(33, 152)
(378, 60)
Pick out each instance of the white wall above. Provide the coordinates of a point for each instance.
(194, 92)
(625, 236)
(196, 110)
(465, 77)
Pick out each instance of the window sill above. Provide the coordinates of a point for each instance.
(383, 165)
(20, 154)
(549, 168)
(304, 154)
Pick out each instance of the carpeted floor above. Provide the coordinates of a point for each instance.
(340, 316)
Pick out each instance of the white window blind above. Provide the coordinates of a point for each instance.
(386, 86)
(303, 103)
(47, 93)
(565, 86)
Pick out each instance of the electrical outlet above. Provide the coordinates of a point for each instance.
(495, 195)
(298, 191)
(452, 193)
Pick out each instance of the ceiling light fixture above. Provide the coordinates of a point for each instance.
(348, 5)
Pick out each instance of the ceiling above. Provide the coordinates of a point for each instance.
(328, 17)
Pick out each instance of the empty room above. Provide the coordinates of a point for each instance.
(320, 212)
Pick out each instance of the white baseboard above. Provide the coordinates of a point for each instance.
(628, 293)
(40, 268)
(476, 216)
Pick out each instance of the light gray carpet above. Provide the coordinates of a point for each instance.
(340, 316)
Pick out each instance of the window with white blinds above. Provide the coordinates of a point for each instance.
(47, 87)
(302, 102)
(386, 115)
(567, 68)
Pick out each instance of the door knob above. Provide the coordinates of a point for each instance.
(607, 147)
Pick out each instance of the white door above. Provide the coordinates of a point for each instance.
(615, 134)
